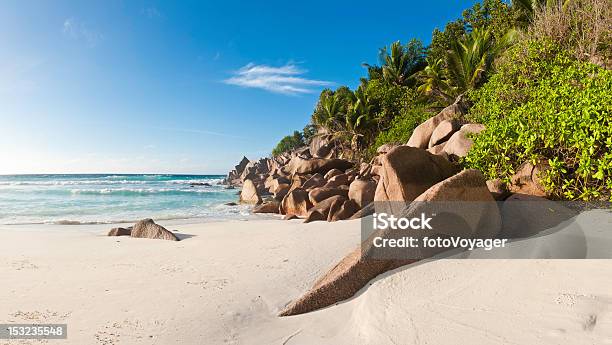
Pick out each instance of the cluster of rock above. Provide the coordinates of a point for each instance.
(310, 184)
(145, 228)
(307, 183)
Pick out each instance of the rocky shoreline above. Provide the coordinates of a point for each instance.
(314, 183)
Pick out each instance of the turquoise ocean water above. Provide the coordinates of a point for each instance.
(114, 198)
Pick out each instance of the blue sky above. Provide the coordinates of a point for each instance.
(179, 86)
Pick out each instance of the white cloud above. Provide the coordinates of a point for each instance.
(79, 31)
(287, 79)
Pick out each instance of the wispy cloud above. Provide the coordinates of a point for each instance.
(288, 79)
(151, 12)
(201, 131)
(78, 31)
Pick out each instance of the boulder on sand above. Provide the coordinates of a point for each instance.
(362, 191)
(271, 206)
(249, 193)
(314, 216)
(344, 211)
(120, 231)
(527, 215)
(324, 207)
(407, 172)
(147, 228)
(319, 194)
(364, 212)
(356, 269)
(296, 202)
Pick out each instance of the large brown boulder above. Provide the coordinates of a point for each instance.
(296, 202)
(422, 133)
(344, 211)
(319, 194)
(271, 206)
(297, 181)
(120, 231)
(314, 216)
(438, 150)
(362, 192)
(443, 132)
(332, 173)
(302, 166)
(364, 212)
(498, 189)
(354, 271)
(273, 183)
(337, 181)
(407, 172)
(459, 143)
(322, 145)
(528, 180)
(326, 205)
(147, 228)
(365, 170)
(527, 215)
(316, 180)
(281, 191)
(385, 148)
(240, 167)
(249, 193)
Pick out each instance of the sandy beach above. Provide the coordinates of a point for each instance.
(225, 282)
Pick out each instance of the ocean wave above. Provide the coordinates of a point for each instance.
(107, 182)
(212, 213)
(139, 191)
(70, 183)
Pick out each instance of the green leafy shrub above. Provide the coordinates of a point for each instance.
(401, 127)
(544, 105)
(289, 143)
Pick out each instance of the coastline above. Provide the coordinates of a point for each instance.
(225, 282)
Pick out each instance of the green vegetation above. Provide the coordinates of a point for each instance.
(537, 73)
(401, 127)
(288, 143)
(545, 106)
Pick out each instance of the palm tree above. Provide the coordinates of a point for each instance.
(357, 122)
(433, 82)
(329, 112)
(401, 62)
(471, 58)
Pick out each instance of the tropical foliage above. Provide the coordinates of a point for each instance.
(546, 107)
(537, 74)
(288, 143)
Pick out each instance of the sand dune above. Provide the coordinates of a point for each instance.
(225, 283)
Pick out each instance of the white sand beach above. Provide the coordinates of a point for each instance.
(224, 283)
